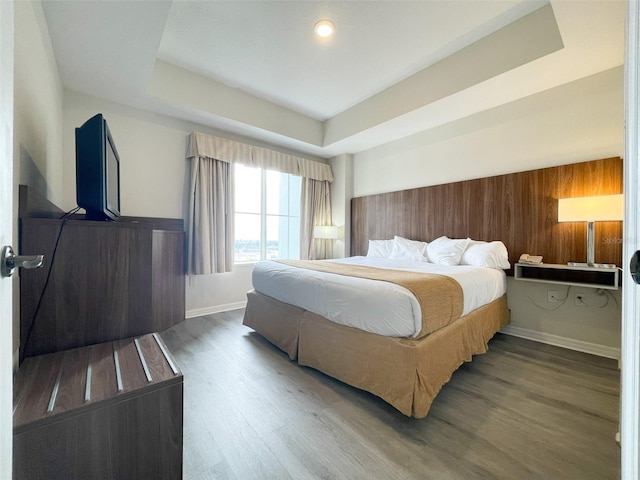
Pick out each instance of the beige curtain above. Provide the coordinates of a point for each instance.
(211, 216)
(211, 209)
(203, 145)
(315, 210)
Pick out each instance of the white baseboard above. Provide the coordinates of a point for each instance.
(570, 343)
(199, 312)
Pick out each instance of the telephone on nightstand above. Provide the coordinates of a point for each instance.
(526, 258)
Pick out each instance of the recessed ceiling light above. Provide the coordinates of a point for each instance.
(324, 28)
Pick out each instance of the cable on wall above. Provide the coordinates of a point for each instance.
(64, 219)
(560, 303)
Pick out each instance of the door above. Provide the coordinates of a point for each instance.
(630, 361)
(6, 233)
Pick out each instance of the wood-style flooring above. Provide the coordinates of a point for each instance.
(524, 410)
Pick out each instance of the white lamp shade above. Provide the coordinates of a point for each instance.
(602, 208)
(327, 231)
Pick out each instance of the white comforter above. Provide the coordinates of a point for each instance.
(371, 305)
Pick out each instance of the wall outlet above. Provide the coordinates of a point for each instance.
(579, 300)
(553, 296)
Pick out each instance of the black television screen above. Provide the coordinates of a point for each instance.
(97, 170)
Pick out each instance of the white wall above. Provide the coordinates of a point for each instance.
(220, 292)
(576, 122)
(38, 105)
(152, 156)
(341, 194)
(154, 176)
(37, 119)
(594, 327)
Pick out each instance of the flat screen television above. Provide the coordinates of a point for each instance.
(97, 170)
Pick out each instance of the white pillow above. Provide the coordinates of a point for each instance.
(380, 248)
(486, 254)
(405, 249)
(446, 251)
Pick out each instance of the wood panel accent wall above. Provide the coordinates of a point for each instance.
(520, 209)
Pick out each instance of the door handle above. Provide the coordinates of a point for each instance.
(634, 266)
(9, 261)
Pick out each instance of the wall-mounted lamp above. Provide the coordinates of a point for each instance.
(603, 208)
(329, 232)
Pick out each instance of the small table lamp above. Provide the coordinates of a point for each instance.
(327, 232)
(602, 208)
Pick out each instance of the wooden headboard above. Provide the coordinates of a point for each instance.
(520, 209)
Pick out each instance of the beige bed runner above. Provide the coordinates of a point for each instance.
(440, 297)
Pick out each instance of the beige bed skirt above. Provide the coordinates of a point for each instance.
(406, 373)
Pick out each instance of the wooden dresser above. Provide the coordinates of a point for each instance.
(107, 411)
(109, 280)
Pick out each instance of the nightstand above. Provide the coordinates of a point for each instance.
(594, 277)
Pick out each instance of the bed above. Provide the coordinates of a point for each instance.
(376, 330)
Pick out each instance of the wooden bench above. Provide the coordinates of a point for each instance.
(105, 411)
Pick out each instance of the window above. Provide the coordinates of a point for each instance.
(267, 214)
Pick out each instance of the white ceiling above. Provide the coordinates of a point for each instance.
(394, 68)
(268, 49)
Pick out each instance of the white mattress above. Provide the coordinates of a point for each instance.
(371, 305)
